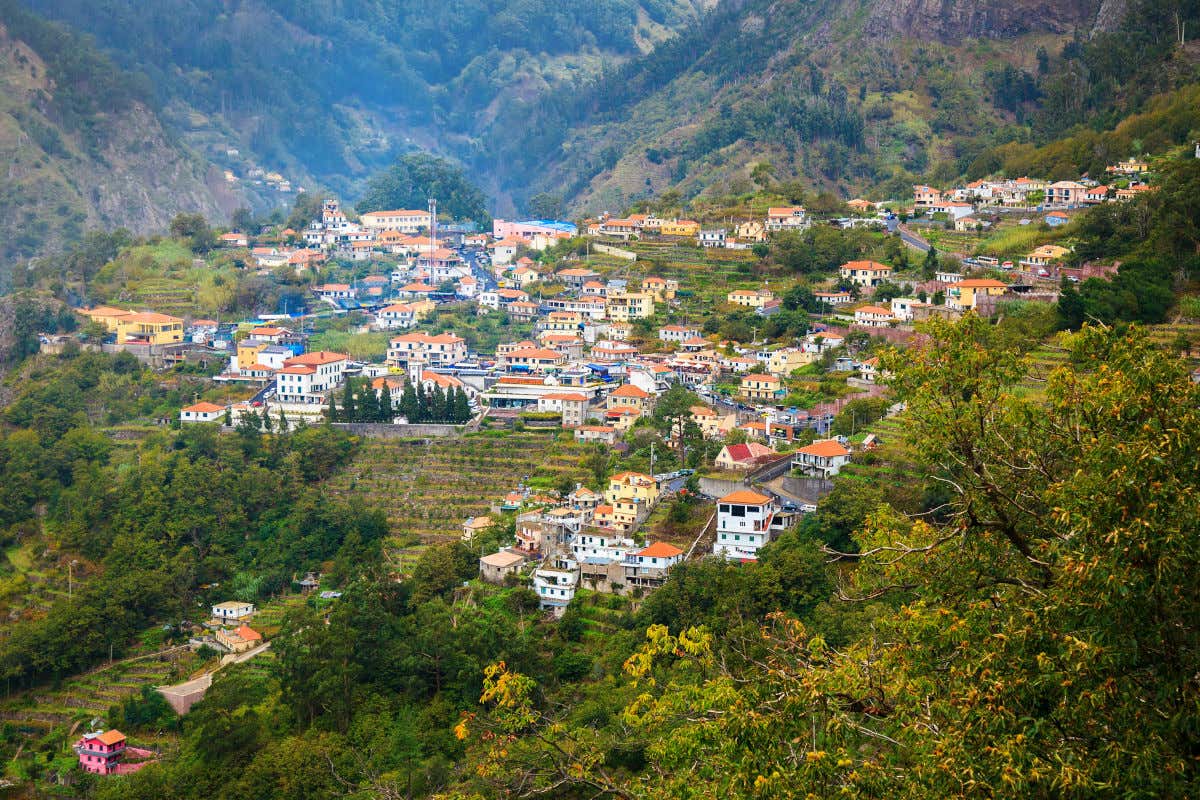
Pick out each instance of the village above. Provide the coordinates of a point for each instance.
(604, 346)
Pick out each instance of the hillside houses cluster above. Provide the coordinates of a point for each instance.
(1127, 178)
(739, 236)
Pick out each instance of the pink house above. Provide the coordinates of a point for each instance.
(101, 752)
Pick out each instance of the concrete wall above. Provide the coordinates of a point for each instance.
(381, 430)
(608, 249)
(808, 488)
(719, 487)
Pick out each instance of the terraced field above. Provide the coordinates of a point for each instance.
(891, 463)
(82, 698)
(428, 488)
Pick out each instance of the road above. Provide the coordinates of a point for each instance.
(912, 240)
(487, 281)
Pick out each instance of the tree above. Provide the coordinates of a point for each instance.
(307, 208)
(762, 173)
(195, 231)
(415, 178)
(546, 206)
(1041, 636)
(670, 412)
(931, 264)
(349, 412)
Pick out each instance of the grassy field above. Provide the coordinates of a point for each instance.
(371, 346)
(1012, 241)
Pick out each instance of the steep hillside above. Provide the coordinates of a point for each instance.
(81, 147)
(335, 91)
(848, 95)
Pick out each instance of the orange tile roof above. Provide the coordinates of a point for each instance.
(570, 397)
(629, 390)
(660, 550)
(248, 634)
(536, 352)
(745, 497)
(864, 265)
(829, 448)
(108, 737)
(204, 408)
(982, 283)
(315, 358)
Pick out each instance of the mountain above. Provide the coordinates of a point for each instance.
(848, 95)
(83, 146)
(332, 92)
(595, 104)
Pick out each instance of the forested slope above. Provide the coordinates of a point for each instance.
(82, 146)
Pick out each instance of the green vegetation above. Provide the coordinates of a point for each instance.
(414, 178)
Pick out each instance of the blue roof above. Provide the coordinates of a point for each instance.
(556, 224)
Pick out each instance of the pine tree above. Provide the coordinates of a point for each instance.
(331, 413)
(437, 404)
(283, 423)
(348, 407)
(368, 403)
(386, 413)
(410, 403)
(462, 406)
(228, 417)
(266, 421)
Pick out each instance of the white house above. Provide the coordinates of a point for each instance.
(306, 378)
(902, 307)
(743, 524)
(555, 586)
(649, 567)
(202, 412)
(232, 610)
(835, 298)
(873, 317)
(678, 333)
(443, 349)
(821, 459)
(397, 315)
(712, 238)
(787, 218)
(593, 543)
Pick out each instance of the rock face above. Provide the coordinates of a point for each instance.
(58, 178)
(142, 180)
(951, 21)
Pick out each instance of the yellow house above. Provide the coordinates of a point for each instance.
(625, 306)
(106, 316)
(787, 361)
(761, 387)
(965, 295)
(248, 351)
(750, 298)
(680, 227)
(752, 231)
(712, 424)
(149, 328)
(631, 486)
(661, 289)
(631, 396)
(1046, 254)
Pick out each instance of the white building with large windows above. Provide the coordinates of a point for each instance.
(744, 521)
